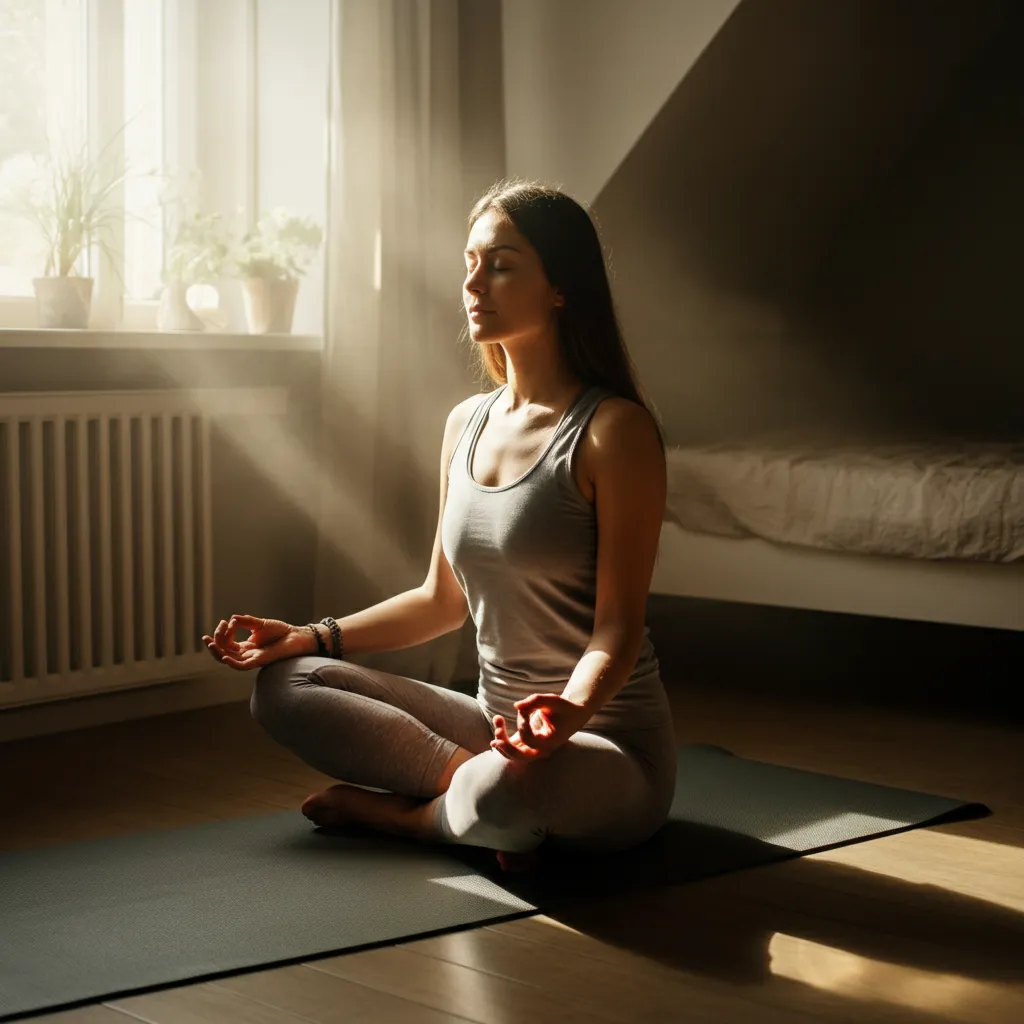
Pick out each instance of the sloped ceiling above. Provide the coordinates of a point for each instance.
(584, 78)
(792, 113)
(748, 179)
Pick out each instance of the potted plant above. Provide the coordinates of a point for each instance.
(70, 203)
(196, 255)
(270, 259)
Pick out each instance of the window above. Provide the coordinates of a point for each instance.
(142, 110)
(101, 73)
(235, 90)
(42, 88)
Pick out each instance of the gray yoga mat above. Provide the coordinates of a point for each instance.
(96, 920)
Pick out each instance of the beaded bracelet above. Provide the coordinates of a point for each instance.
(321, 647)
(336, 638)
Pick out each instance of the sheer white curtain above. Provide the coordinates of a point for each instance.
(394, 364)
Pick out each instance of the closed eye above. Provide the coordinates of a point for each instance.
(470, 261)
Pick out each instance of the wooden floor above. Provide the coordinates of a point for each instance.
(923, 926)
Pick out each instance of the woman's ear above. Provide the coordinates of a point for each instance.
(559, 299)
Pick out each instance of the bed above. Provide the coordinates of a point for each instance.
(915, 530)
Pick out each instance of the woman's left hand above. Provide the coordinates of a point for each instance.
(544, 721)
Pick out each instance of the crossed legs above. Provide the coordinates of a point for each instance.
(429, 748)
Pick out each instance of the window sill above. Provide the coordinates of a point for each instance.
(44, 337)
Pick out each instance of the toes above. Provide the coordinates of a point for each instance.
(323, 808)
(321, 815)
(315, 806)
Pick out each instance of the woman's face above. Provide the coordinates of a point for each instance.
(505, 280)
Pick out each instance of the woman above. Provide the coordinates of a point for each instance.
(553, 488)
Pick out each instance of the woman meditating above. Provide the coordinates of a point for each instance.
(552, 487)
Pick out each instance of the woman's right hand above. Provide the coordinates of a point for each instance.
(270, 640)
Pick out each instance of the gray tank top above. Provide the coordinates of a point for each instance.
(525, 555)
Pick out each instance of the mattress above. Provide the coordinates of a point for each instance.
(915, 500)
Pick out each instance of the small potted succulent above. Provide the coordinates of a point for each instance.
(70, 202)
(270, 259)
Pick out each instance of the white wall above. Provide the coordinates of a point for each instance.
(292, 66)
(584, 78)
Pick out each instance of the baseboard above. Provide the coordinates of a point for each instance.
(219, 686)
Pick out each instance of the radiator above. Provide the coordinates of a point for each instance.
(106, 537)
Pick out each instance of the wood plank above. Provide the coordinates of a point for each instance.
(465, 992)
(201, 1004)
(830, 968)
(613, 989)
(279, 996)
(97, 1014)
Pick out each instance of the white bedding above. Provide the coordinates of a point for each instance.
(915, 500)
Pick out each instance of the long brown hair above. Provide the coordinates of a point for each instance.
(565, 237)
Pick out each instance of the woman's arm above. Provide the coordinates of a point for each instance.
(622, 456)
(405, 620)
(625, 460)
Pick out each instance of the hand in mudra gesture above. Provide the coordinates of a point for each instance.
(544, 722)
(269, 640)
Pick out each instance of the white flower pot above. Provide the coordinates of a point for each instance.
(269, 304)
(63, 301)
(174, 312)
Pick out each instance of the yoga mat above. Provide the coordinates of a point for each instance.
(96, 920)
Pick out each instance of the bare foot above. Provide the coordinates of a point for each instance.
(518, 862)
(344, 804)
(331, 806)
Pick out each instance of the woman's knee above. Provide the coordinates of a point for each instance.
(272, 686)
(494, 804)
(502, 805)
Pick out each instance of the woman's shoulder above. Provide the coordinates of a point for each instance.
(613, 412)
(462, 413)
(465, 409)
(618, 429)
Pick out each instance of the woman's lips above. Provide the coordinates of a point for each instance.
(478, 313)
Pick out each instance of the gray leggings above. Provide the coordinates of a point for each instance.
(602, 791)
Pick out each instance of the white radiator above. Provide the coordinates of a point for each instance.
(106, 537)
